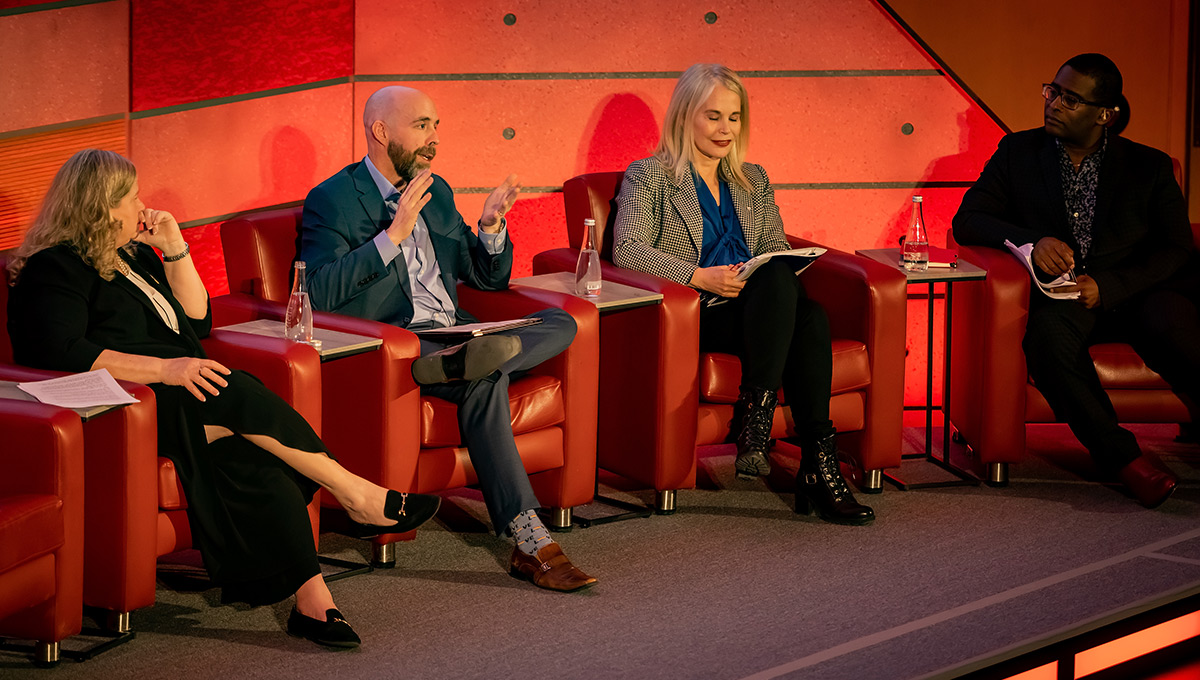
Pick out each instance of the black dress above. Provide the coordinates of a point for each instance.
(246, 507)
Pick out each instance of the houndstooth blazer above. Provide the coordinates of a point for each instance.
(660, 229)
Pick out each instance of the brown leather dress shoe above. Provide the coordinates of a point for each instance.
(1148, 483)
(549, 569)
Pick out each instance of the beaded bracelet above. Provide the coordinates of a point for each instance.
(187, 248)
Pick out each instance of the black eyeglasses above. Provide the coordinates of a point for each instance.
(1070, 101)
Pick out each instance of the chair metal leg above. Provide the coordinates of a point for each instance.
(664, 502)
(872, 481)
(383, 556)
(559, 519)
(117, 622)
(997, 474)
(46, 654)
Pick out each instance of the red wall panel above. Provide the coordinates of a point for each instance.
(203, 163)
(192, 51)
(64, 65)
(802, 130)
(627, 35)
(29, 163)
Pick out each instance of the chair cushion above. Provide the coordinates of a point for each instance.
(1119, 367)
(30, 525)
(448, 467)
(170, 491)
(721, 374)
(536, 402)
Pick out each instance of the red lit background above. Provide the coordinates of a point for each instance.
(228, 107)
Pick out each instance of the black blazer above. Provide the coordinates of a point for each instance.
(345, 273)
(1141, 234)
(62, 314)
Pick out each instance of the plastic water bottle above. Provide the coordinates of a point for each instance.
(298, 322)
(587, 271)
(916, 242)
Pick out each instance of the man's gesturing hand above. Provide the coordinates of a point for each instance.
(412, 199)
(498, 203)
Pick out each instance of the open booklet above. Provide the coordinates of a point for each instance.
(1025, 255)
(467, 331)
(799, 258)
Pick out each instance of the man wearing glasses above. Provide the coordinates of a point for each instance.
(1109, 211)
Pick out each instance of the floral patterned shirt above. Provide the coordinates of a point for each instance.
(1079, 192)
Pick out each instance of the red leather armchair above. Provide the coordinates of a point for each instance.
(41, 525)
(991, 395)
(670, 398)
(135, 508)
(388, 432)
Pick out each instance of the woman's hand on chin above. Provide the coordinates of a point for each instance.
(158, 228)
(194, 375)
(721, 280)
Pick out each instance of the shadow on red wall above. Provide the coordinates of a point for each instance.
(621, 130)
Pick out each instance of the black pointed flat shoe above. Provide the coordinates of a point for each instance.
(410, 510)
(334, 631)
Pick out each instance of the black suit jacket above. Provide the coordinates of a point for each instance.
(345, 273)
(62, 314)
(1141, 235)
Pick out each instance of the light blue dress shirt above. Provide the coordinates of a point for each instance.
(431, 302)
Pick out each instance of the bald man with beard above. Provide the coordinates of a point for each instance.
(383, 240)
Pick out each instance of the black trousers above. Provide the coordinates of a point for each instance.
(1163, 327)
(782, 338)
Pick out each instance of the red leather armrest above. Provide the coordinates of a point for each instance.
(289, 369)
(370, 401)
(122, 498)
(867, 301)
(43, 455)
(651, 358)
(988, 374)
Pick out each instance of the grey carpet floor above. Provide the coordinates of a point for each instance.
(735, 585)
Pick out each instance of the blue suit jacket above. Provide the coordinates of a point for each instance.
(345, 273)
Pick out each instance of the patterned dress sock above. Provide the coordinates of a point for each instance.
(529, 532)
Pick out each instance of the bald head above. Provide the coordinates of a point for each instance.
(401, 129)
(395, 106)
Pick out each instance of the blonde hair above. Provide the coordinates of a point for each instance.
(76, 211)
(677, 147)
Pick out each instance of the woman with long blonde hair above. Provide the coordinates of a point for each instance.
(693, 213)
(89, 292)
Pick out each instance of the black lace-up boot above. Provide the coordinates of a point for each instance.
(753, 413)
(821, 487)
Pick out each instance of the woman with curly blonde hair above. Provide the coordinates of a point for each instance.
(90, 292)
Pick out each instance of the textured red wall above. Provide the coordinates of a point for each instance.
(231, 107)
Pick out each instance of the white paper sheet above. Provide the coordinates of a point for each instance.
(81, 390)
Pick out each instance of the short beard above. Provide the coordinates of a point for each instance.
(408, 163)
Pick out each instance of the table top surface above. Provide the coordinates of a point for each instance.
(612, 295)
(334, 344)
(965, 271)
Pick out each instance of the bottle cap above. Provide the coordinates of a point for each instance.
(300, 264)
(589, 222)
(917, 199)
